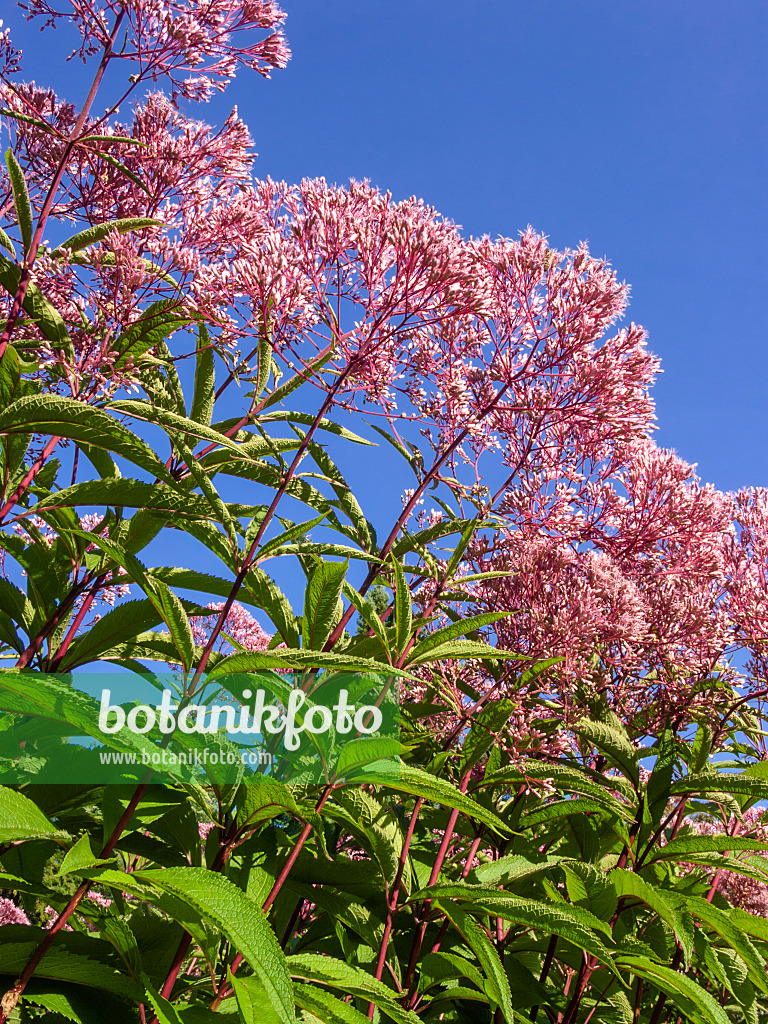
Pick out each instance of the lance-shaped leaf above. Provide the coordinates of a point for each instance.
(326, 1007)
(122, 492)
(55, 415)
(574, 924)
(327, 970)
(460, 650)
(496, 977)
(297, 530)
(204, 394)
(238, 918)
(252, 1001)
(722, 923)
(165, 1011)
(92, 235)
(368, 614)
(708, 783)
(321, 604)
(694, 1001)
(282, 658)
(681, 847)
(81, 959)
(166, 603)
(280, 416)
(20, 198)
(434, 641)
(662, 902)
(308, 370)
(404, 778)
(403, 611)
(612, 740)
(20, 818)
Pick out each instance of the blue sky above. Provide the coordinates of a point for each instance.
(638, 125)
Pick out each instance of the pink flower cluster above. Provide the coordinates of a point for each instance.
(197, 47)
(740, 891)
(240, 629)
(10, 913)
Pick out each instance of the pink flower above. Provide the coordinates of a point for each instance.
(10, 913)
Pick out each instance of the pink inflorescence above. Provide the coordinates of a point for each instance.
(10, 913)
(198, 47)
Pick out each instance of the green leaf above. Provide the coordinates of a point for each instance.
(404, 778)
(308, 419)
(167, 604)
(484, 730)
(574, 924)
(239, 919)
(298, 530)
(55, 415)
(7, 244)
(308, 370)
(324, 1006)
(252, 1001)
(82, 855)
(153, 326)
(123, 492)
(22, 819)
(165, 1012)
(321, 604)
(284, 657)
(20, 199)
(682, 846)
(189, 429)
(121, 624)
(461, 649)
(692, 999)
(611, 738)
(403, 610)
(205, 380)
(485, 951)
(706, 783)
(92, 235)
(666, 904)
(722, 923)
(369, 615)
(263, 364)
(327, 970)
(82, 959)
(456, 629)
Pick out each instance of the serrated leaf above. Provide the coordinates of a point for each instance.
(20, 198)
(692, 999)
(20, 818)
(123, 492)
(321, 604)
(404, 778)
(667, 905)
(488, 957)
(81, 855)
(92, 235)
(611, 739)
(238, 918)
(327, 970)
(55, 415)
(37, 307)
(204, 394)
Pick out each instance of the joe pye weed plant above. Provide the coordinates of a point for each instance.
(567, 825)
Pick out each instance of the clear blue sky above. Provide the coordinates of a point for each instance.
(639, 125)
